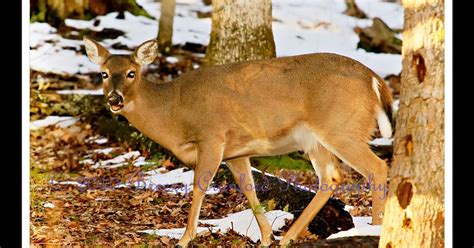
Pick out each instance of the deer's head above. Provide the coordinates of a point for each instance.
(120, 72)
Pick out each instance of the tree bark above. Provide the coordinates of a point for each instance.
(241, 30)
(165, 32)
(414, 211)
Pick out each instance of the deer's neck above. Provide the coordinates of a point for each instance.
(152, 110)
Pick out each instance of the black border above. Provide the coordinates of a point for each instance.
(10, 170)
(462, 150)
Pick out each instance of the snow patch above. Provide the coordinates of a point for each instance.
(300, 27)
(361, 228)
(105, 150)
(86, 161)
(48, 205)
(142, 161)
(52, 58)
(118, 161)
(381, 142)
(348, 208)
(172, 177)
(59, 121)
(97, 139)
(68, 183)
(159, 178)
(306, 26)
(396, 105)
(243, 222)
(390, 13)
(172, 60)
(97, 92)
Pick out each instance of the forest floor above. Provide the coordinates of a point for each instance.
(89, 188)
(75, 202)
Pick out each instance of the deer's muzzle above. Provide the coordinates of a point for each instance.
(115, 101)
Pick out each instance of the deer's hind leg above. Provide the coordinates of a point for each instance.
(326, 166)
(358, 155)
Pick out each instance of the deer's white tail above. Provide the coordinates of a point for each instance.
(384, 124)
(384, 111)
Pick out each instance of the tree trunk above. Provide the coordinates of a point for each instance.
(241, 30)
(414, 211)
(165, 32)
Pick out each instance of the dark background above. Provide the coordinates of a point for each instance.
(10, 186)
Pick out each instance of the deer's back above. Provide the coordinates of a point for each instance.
(287, 84)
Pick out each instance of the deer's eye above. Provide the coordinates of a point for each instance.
(104, 75)
(131, 74)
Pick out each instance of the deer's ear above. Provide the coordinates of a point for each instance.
(96, 53)
(146, 53)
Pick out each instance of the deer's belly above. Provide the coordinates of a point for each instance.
(300, 138)
(187, 153)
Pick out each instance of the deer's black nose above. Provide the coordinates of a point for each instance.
(115, 99)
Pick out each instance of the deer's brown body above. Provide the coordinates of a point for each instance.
(326, 105)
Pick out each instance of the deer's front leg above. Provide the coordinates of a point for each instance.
(209, 158)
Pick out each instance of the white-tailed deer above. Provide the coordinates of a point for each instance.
(326, 105)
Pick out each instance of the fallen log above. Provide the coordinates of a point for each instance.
(332, 218)
(284, 194)
(379, 38)
(43, 104)
(55, 12)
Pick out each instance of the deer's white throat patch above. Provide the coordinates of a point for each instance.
(130, 106)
